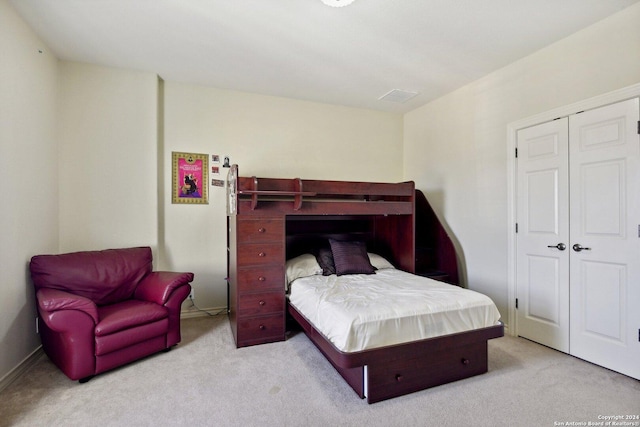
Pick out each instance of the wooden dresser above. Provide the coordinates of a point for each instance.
(256, 279)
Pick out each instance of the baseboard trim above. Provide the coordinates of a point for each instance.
(193, 311)
(22, 367)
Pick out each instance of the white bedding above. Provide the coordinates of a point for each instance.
(358, 312)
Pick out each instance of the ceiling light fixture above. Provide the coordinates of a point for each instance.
(337, 3)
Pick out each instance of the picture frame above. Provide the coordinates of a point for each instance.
(190, 178)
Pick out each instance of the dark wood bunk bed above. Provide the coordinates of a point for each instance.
(271, 220)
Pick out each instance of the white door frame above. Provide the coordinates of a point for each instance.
(512, 128)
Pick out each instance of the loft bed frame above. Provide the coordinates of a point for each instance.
(383, 215)
(387, 209)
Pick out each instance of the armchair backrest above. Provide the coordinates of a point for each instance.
(105, 277)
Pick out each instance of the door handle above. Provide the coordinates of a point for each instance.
(559, 246)
(578, 248)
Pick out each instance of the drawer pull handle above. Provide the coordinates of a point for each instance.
(262, 254)
(398, 378)
(262, 302)
(261, 230)
(465, 361)
(261, 279)
(262, 327)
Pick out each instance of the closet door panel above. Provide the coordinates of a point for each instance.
(605, 245)
(604, 286)
(603, 191)
(543, 234)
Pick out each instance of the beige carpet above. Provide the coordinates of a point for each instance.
(206, 381)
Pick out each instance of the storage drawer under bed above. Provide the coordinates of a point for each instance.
(399, 377)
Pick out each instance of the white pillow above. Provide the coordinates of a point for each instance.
(302, 266)
(379, 262)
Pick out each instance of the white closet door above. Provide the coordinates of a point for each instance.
(605, 242)
(542, 240)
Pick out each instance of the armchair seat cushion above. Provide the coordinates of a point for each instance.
(128, 314)
(126, 338)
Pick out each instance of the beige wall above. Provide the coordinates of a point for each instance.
(108, 125)
(29, 177)
(455, 148)
(265, 136)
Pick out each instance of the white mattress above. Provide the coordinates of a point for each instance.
(359, 312)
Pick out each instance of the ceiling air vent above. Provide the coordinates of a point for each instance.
(397, 95)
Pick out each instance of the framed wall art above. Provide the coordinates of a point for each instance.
(190, 178)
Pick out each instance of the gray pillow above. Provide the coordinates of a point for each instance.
(324, 256)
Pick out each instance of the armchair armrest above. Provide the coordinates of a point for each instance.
(52, 300)
(159, 285)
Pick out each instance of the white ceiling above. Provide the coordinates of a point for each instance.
(306, 50)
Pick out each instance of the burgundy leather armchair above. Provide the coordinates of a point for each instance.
(102, 309)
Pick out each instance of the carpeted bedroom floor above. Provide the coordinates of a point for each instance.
(206, 381)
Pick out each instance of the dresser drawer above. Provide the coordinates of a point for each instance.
(260, 254)
(261, 303)
(258, 330)
(270, 277)
(261, 230)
